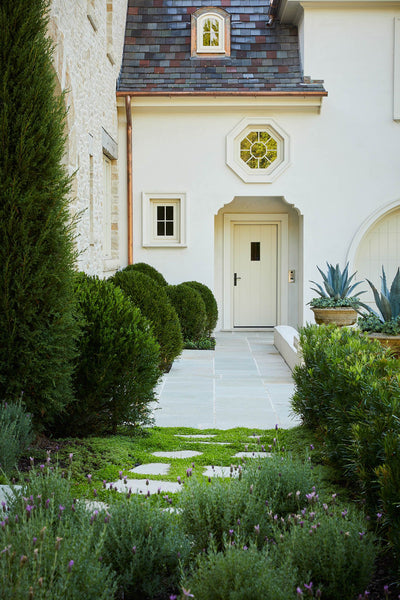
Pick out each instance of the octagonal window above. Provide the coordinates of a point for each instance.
(257, 150)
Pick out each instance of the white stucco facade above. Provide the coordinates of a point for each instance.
(344, 159)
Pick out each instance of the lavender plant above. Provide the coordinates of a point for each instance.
(145, 546)
(49, 549)
(240, 573)
(15, 433)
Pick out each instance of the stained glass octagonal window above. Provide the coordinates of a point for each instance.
(258, 150)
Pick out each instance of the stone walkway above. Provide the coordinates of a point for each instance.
(243, 383)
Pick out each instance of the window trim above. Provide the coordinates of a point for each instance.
(150, 202)
(234, 161)
(198, 19)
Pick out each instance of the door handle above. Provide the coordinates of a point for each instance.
(235, 278)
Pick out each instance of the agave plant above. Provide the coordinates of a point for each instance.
(338, 288)
(388, 302)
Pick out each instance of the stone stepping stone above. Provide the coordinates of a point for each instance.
(139, 486)
(220, 472)
(252, 455)
(212, 443)
(199, 435)
(7, 492)
(177, 454)
(152, 469)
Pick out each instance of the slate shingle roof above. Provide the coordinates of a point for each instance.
(157, 51)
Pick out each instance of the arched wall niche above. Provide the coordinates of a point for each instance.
(377, 244)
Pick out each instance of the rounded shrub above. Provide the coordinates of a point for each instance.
(191, 310)
(154, 304)
(147, 270)
(117, 366)
(210, 304)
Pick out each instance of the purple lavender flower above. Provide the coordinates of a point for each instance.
(379, 516)
(120, 474)
(187, 593)
(361, 534)
(311, 447)
(257, 529)
(231, 532)
(299, 592)
(16, 518)
(344, 513)
(47, 502)
(70, 457)
(89, 478)
(134, 550)
(104, 483)
(70, 565)
(179, 480)
(173, 597)
(41, 467)
(188, 472)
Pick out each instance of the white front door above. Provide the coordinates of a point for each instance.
(255, 274)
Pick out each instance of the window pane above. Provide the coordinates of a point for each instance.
(169, 210)
(160, 213)
(254, 250)
(211, 32)
(160, 228)
(169, 228)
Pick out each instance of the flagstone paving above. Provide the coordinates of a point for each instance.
(243, 383)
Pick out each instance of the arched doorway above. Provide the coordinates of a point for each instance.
(258, 263)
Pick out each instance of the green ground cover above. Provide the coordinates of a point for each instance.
(105, 457)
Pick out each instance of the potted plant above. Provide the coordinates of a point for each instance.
(336, 303)
(385, 327)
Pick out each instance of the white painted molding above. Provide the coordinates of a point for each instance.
(147, 220)
(239, 167)
(396, 70)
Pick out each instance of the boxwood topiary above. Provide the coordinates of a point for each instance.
(147, 270)
(191, 310)
(210, 303)
(154, 304)
(117, 367)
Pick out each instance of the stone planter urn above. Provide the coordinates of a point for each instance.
(390, 341)
(341, 316)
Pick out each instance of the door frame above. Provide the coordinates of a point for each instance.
(232, 219)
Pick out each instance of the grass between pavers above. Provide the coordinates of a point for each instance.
(105, 457)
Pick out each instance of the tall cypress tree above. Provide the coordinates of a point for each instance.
(37, 327)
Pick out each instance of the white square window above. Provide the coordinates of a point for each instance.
(164, 220)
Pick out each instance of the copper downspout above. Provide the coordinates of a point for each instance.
(129, 176)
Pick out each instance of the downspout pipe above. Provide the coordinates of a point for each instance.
(129, 176)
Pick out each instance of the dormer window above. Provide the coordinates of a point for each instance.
(210, 32)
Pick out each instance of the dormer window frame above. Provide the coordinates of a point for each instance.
(199, 20)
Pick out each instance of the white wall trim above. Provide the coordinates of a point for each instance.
(148, 240)
(396, 70)
(281, 220)
(234, 161)
(366, 226)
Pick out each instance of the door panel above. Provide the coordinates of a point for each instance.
(255, 260)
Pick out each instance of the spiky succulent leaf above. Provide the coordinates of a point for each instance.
(336, 283)
(384, 288)
(394, 296)
(319, 291)
(382, 303)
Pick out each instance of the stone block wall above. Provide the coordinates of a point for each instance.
(88, 36)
